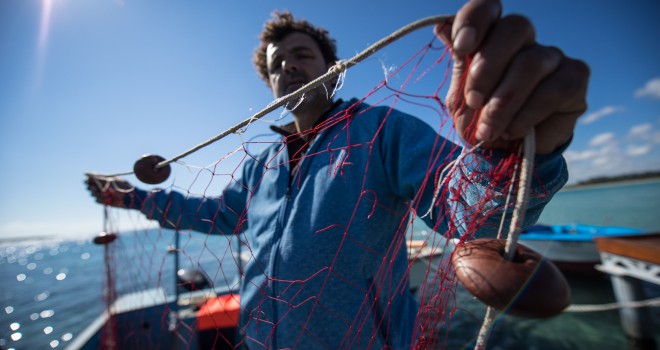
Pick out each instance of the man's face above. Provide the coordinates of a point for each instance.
(293, 62)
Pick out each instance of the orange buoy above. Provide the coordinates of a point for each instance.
(146, 171)
(220, 312)
(104, 238)
(528, 286)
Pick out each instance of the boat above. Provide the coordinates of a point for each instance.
(571, 247)
(199, 316)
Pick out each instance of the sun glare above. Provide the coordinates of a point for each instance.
(44, 29)
(44, 24)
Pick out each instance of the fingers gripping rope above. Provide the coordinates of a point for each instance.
(335, 71)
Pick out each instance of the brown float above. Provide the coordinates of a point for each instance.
(104, 238)
(528, 286)
(146, 171)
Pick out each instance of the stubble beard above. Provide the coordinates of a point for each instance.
(315, 98)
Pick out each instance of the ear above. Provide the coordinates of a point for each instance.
(269, 83)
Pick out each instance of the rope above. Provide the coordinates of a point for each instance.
(517, 217)
(334, 71)
(522, 200)
(653, 302)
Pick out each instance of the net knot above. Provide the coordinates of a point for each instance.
(339, 67)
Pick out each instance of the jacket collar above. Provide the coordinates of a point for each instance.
(290, 129)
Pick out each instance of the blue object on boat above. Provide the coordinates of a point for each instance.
(575, 232)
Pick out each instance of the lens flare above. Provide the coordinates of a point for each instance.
(44, 29)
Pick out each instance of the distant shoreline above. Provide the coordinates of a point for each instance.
(45, 238)
(611, 183)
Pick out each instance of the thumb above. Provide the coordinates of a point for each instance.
(460, 66)
(443, 31)
(464, 117)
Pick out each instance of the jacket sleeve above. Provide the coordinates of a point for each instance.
(478, 189)
(212, 215)
(470, 196)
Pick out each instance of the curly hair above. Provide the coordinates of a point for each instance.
(282, 24)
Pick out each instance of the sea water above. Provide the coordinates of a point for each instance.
(631, 204)
(51, 290)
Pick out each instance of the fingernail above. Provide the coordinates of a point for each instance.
(465, 40)
(483, 133)
(474, 99)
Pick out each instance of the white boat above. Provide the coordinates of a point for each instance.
(571, 247)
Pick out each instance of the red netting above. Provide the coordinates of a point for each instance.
(155, 309)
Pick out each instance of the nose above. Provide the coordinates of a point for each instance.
(289, 65)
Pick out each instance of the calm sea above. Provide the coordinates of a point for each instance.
(51, 290)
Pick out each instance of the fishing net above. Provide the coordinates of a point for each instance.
(351, 252)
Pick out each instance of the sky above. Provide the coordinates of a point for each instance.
(91, 85)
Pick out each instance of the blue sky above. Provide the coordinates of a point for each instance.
(90, 85)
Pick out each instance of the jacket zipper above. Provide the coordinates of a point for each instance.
(284, 213)
(277, 239)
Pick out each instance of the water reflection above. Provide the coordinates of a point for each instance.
(45, 314)
(42, 296)
(32, 319)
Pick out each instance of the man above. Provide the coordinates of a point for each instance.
(328, 269)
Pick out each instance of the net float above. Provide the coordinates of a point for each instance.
(528, 285)
(146, 169)
(104, 238)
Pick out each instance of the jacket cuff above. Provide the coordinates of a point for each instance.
(550, 171)
(135, 199)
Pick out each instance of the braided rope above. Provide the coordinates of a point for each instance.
(333, 72)
(653, 302)
(517, 217)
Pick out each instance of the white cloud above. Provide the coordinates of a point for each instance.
(651, 89)
(636, 151)
(600, 161)
(574, 156)
(601, 139)
(643, 133)
(640, 129)
(599, 114)
(612, 154)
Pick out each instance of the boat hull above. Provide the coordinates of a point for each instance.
(571, 247)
